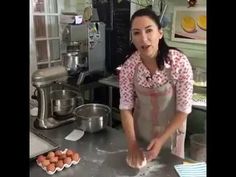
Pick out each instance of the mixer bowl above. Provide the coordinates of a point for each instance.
(92, 117)
(64, 102)
(74, 62)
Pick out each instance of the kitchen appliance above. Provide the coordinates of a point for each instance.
(74, 62)
(92, 117)
(88, 56)
(54, 107)
(198, 147)
(64, 102)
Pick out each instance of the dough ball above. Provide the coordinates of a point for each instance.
(143, 164)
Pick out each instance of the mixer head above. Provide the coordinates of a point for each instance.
(46, 76)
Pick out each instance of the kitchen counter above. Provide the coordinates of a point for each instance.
(103, 155)
(112, 81)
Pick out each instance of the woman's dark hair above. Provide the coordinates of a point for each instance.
(163, 51)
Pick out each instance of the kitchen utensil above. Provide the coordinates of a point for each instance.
(92, 117)
(191, 169)
(64, 101)
(199, 77)
(75, 135)
(73, 61)
(40, 144)
(198, 147)
(43, 79)
(34, 111)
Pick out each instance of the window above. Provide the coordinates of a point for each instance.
(46, 32)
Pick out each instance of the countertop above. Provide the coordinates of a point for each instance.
(103, 155)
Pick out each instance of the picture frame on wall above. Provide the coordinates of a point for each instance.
(189, 24)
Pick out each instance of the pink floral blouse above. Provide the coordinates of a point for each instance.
(181, 73)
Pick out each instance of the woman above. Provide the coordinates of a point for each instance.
(156, 87)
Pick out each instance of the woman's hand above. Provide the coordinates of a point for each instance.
(153, 149)
(136, 158)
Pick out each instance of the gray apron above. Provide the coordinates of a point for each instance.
(153, 110)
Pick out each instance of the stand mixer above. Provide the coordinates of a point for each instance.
(84, 50)
(42, 79)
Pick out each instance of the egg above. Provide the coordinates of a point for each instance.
(75, 157)
(41, 158)
(59, 163)
(53, 159)
(45, 163)
(69, 153)
(51, 167)
(67, 160)
(58, 153)
(56, 160)
(50, 155)
(62, 156)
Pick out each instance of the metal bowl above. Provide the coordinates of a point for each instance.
(64, 102)
(92, 117)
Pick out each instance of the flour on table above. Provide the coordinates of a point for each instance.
(148, 170)
(96, 161)
(110, 152)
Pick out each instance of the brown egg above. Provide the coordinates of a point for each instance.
(41, 158)
(67, 160)
(50, 155)
(59, 163)
(58, 153)
(69, 153)
(62, 156)
(51, 167)
(75, 156)
(53, 159)
(45, 163)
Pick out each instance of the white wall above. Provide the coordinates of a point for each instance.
(196, 53)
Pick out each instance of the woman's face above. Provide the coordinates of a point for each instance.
(145, 36)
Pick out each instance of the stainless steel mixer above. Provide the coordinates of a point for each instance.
(55, 107)
(84, 53)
